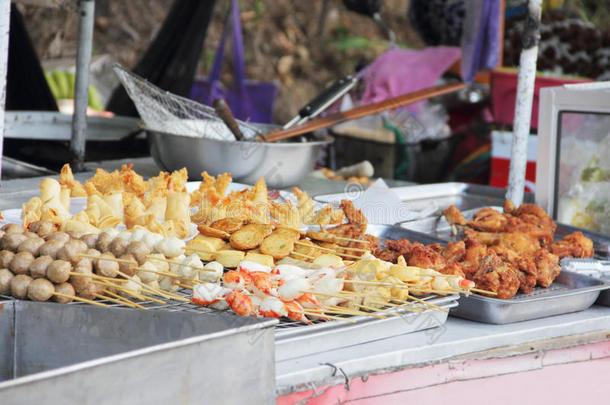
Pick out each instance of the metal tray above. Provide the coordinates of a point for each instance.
(570, 292)
(440, 195)
(56, 353)
(438, 227)
(589, 267)
(305, 340)
(297, 340)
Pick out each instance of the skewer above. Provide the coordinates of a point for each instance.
(176, 262)
(117, 296)
(355, 249)
(481, 291)
(185, 286)
(136, 295)
(117, 280)
(324, 315)
(116, 301)
(166, 274)
(349, 239)
(326, 250)
(429, 304)
(145, 286)
(112, 259)
(303, 255)
(349, 311)
(385, 311)
(99, 304)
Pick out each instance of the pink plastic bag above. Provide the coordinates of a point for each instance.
(397, 72)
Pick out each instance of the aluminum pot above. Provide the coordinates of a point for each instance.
(282, 164)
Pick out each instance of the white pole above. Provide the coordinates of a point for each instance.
(5, 22)
(523, 103)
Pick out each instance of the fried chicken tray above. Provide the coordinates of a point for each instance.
(598, 269)
(523, 247)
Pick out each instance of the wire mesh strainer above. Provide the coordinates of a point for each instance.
(166, 112)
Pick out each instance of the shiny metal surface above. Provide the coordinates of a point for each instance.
(570, 292)
(439, 195)
(282, 164)
(89, 355)
(306, 340)
(598, 269)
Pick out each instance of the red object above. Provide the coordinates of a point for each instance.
(504, 91)
(500, 160)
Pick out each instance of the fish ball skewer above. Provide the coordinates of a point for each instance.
(31, 245)
(13, 228)
(42, 228)
(21, 263)
(19, 286)
(40, 289)
(38, 268)
(118, 246)
(6, 256)
(59, 271)
(139, 250)
(90, 240)
(61, 236)
(129, 268)
(11, 241)
(72, 250)
(106, 268)
(5, 281)
(51, 248)
(66, 289)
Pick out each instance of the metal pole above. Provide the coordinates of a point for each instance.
(523, 104)
(81, 83)
(5, 22)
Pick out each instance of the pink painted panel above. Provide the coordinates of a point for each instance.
(576, 373)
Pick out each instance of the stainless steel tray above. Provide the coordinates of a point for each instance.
(297, 340)
(594, 268)
(80, 354)
(570, 292)
(305, 340)
(441, 195)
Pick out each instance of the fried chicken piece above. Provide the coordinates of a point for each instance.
(529, 224)
(425, 257)
(475, 251)
(393, 249)
(494, 274)
(524, 266)
(373, 242)
(453, 269)
(509, 207)
(353, 215)
(573, 245)
(519, 242)
(454, 251)
(488, 219)
(351, 231)
(454, 216)
(547, 267)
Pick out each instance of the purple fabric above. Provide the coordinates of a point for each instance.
(481, 37)
(397, 72)
(249, 100)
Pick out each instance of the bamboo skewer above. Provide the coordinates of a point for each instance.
(326, 250)
(303, 255)
(103, 297)
(313, 312)
(481, 291)
(177, 262)
(349, 311)
(75, 298)
(96, 276)
(128, 302)
(429, 304)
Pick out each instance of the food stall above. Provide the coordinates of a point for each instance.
(146, 282)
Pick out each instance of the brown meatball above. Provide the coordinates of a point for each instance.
(90, 291)
(13, 228)
(50, 248)
(128, 268)
(29, 235)
(82, 267)
(103, 242)
(40, 289)
(90, 239)
(19, 286)
(106, 268)
(5, 281)
(64, 288)
(61, 236)
(59, 271)
(117, 246)
(21, 263)
(38, 268)
(11, 241)
(42, 228)
(31, 245)
(139, 250)
(72, 250)
(2, 233)
(6, 256)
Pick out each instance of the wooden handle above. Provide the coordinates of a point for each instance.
(224, 112)
(362, 111)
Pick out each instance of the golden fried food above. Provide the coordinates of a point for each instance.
(493, 274)
(353, 215)
(256, 257)
(454, 216)
(248, 237)
(288, 232)
(573, 245)
(228, 225)
(229, 258)
(277, 245)
(307, 248)
(321, 236)
(213, 232)
(489, 220)
(547, 267)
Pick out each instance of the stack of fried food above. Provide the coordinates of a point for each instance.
(504, 252)
(230, 240)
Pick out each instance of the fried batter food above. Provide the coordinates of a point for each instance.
(425, 257)
(228, 225)
(454, 216)
(353, 215)
(573, 245)
(547, 266)
(213, 232)
(278, 245)
(494, 274)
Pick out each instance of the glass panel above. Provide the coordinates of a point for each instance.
(583, 184)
